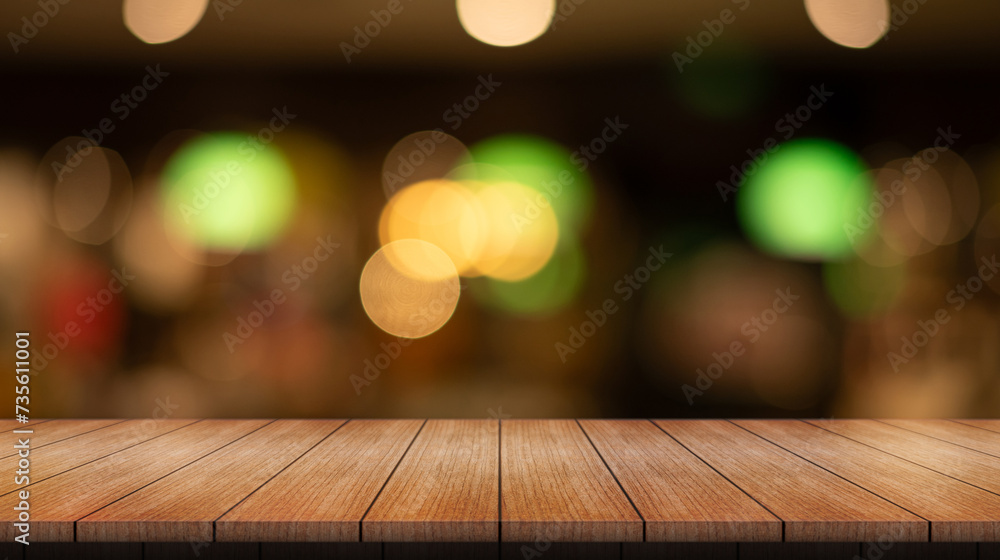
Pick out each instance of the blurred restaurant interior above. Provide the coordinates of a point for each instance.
(531, 208)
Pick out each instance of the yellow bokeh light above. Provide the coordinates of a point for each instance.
(162, 21)
(409, 288)
(851, 23)
(441, 212)
(505, 23)
(523, 231)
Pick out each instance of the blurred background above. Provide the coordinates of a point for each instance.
(251, 208)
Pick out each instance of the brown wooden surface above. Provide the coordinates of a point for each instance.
(953, 432)
(49, 432)
(183, 505)
(555, 487)
(974, 467)
(508, 488)
(58, 502)
(324, 495)
(815, 505)
(680, 497)
(446, 489)
(957, 511)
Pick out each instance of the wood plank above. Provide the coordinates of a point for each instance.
(70, 453)
(183, 505)
(55, 431)
(446, 489)
(815, 505)
(323, 496)
(678, 495)
(973, 467)
(957, 511)
(953, 432)
(57, 502)
(991, 425)
(555, 487)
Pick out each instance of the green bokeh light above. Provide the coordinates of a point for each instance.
(542, 165)
(798, 200)
(226, 193)
(547, 291)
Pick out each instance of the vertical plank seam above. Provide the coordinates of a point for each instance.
(939, 439)
(254, 491)
(726, 478)
(499, 487)
(904, 459)
(68, 437)
(361, 522)
(837, 475)
(627, 497)
(171, 472)
(105, 456)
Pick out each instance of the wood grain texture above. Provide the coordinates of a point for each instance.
(973, 467)
(57, 502)
(323, 496)
(54, 431)
(678, 495)
(991, 425)
(953, 432)
(815, 505)
(183, 505)
(957, 511)
(446, 489)
(555, 487)
(72, 452)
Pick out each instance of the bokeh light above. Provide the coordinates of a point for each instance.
(409, 288)
(84, 190)
(550, 289)
(505, 23)
(443, 213)
(800, 199)
(162, 21)
(540, 164)
(421, 156)
(228, 193)
(851, 23)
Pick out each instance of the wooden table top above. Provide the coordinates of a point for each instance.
(192, 480)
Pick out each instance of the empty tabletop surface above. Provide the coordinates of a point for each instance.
(510, 480)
